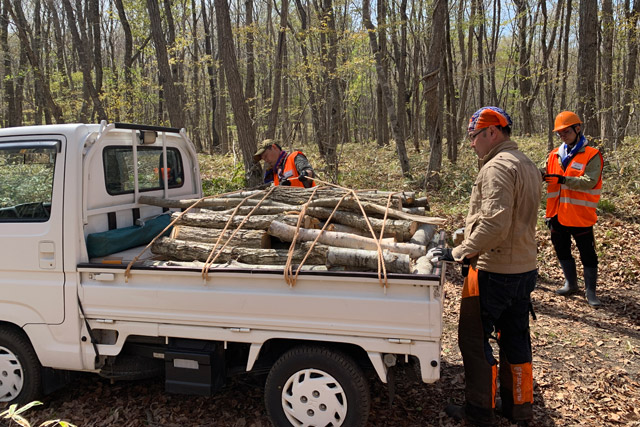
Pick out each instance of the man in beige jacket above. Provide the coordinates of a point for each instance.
(500, 245)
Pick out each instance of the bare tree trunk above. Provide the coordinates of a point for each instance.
(629, 72)
(480, 58)
(382, 127)
(547, 78)
(128, 58)
(452, 128)
(386, 91)
(606, 103)
(24, 33)
(587, 54)
(94, 22)
(196, 133)
(250, 86)
(311, 87)
(246, 130)
(277, 75)
(524, 61)
(170, 91)
(208, 50)
(565, 56)
(14, 115)
(465, 59)
(434, 98)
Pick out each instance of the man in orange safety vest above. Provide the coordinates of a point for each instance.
(574, 181)
(291, 169)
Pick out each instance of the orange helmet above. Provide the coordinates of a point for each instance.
(566, 119)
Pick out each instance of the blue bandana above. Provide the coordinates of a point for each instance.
(566, 157)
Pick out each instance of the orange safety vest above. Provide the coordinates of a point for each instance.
(289, 171)
(574, 208)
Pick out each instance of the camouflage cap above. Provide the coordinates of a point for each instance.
(262, 147)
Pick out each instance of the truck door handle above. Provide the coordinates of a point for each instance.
(103, 277)
(47, 255)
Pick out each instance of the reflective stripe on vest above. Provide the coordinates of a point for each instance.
(574, 208)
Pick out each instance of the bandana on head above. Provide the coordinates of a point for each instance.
(488, 116)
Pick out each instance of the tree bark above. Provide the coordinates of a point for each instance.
(24, 33)
(193, 251)
(250, 86)
(128, 58)
(343, 240)
(398, 135)
(208, 50)
(242, 238)
(434, 96)
(246, 130)
(170, 91)
(606, 122)
(629, 72)
(360, 260)
(402, 229)
(587, 61)
(272, 121)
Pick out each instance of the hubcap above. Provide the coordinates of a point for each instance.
(312, 397)
(11, 375)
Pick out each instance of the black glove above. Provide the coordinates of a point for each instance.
(285, 182)
(305, 179)
(552, 178)
(440, 254)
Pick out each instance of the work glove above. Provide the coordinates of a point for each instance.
(552, 178)
(305, 179)
(440, 254)
(285, 182)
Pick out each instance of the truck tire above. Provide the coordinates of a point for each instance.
(316, 386)
(20, 370)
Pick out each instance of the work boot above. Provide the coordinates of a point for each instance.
(475, 416)
(570, 278)
(590, 278)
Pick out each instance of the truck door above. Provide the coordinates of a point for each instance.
(31, 195)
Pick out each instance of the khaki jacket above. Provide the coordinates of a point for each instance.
(503, 210)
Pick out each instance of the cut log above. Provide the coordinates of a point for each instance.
(213, 204)
(368, 207)
(419, 202)
(299, 196)
(346, 229)
(193, 251)
(423, 235)
(254, 222)
(402, 229)
(422, 266)
(227, 265)
(243, 238)
(343, 240)
(414, 211)
(361, 260)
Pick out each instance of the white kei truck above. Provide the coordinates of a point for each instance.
(64, 310)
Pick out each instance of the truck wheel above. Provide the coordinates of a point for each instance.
(20, 373)
(315, 386)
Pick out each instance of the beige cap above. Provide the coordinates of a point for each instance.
(264, 145)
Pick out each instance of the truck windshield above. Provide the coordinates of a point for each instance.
(26, 180)
(118, 169)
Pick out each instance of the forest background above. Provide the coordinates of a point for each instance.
(322, 72)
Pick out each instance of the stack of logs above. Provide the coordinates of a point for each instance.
(269, 225)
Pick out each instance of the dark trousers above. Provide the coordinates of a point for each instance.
(583, 236)
(497, 305)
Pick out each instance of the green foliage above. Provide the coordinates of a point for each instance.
(221, 175)
(14, 414)
(607, 206)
